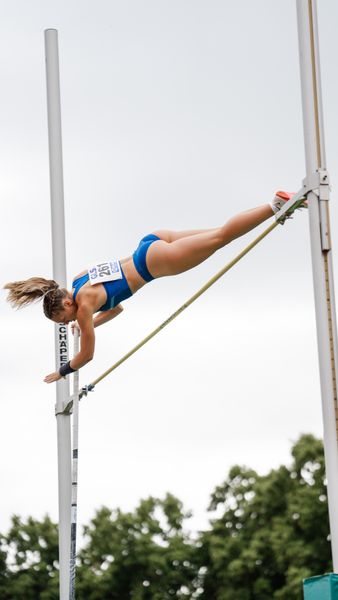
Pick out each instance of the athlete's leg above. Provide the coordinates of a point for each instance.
(171, 236)
(171, 258)
(243, 222)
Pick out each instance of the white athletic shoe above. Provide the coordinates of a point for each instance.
(280, 199)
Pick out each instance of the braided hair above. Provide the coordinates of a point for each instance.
(22, 293)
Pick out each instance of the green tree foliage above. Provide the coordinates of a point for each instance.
(272, 532)
(144, 555)
(268, 534)
(4, 572)
(32, 552)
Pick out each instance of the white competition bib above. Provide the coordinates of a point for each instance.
(101, 272)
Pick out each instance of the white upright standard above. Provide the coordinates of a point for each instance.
(75, 455)
(59, 274)
(317, 180)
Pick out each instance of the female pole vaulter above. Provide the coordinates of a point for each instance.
(102, 287)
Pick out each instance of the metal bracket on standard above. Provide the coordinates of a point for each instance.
(319, 184)
(68, 406)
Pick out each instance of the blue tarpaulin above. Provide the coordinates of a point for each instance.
(324, 587)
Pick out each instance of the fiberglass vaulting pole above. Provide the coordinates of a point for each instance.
(59, 274)
(317, 179)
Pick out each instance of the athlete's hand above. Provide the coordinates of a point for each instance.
(52, 377)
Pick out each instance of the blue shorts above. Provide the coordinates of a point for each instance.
(139, 256)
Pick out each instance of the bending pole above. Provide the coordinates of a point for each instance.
(59, 274)
(320, 250)
(188, 302)
(281, 216)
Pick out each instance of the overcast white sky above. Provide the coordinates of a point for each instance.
(176, 115)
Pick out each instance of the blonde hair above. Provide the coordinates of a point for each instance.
(22, 293)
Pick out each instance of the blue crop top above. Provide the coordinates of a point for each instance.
(116, 291)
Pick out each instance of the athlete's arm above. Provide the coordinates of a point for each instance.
(107, 315)
(85, 321)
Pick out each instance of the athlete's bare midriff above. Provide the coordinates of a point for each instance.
(134, 279)
(98, 293)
